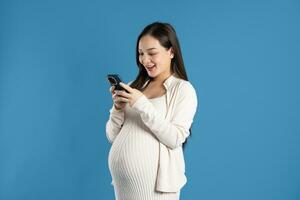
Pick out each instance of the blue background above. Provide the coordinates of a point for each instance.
(241, 56)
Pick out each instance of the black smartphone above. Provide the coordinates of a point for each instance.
(114, 80)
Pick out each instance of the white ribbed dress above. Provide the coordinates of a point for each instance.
(133, 158)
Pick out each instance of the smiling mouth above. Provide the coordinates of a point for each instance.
(150, 68)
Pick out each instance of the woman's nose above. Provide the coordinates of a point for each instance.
(145, 59)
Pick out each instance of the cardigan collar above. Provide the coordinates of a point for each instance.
(169, 81)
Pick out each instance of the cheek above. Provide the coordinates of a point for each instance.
(156, 59)
(140, 60)
(163, 60)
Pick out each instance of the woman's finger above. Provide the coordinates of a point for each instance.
(123, 94)
(126, 87)
(115, 96)
(121, 99)
(111, 89)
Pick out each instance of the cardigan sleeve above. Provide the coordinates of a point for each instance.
(114, 123)
(171, 132)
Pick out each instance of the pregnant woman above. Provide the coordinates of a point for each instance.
(149, 124)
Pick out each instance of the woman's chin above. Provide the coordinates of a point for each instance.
(152, 75)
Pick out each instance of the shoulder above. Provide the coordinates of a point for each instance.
(184, 91)
(186, 96)
(185, 87)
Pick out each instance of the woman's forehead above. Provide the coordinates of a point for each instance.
(148, 43)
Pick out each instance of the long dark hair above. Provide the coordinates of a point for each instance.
(166, 35)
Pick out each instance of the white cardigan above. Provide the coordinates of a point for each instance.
(171, 130)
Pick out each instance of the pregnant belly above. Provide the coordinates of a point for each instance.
(134, 155)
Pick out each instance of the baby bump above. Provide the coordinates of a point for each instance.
(133, 154)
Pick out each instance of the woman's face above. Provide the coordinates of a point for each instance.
(154, 57)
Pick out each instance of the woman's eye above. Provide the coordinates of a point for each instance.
(150, 54)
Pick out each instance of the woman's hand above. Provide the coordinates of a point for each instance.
(119, 102)
(131, 96)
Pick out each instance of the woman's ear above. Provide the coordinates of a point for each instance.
(171, 52)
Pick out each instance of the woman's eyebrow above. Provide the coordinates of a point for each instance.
(149, 49)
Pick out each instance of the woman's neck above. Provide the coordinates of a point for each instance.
(161, 78)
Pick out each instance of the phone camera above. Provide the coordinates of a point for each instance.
(112, 80)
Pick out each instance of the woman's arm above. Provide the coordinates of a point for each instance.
(174, 132)
(114, 123)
